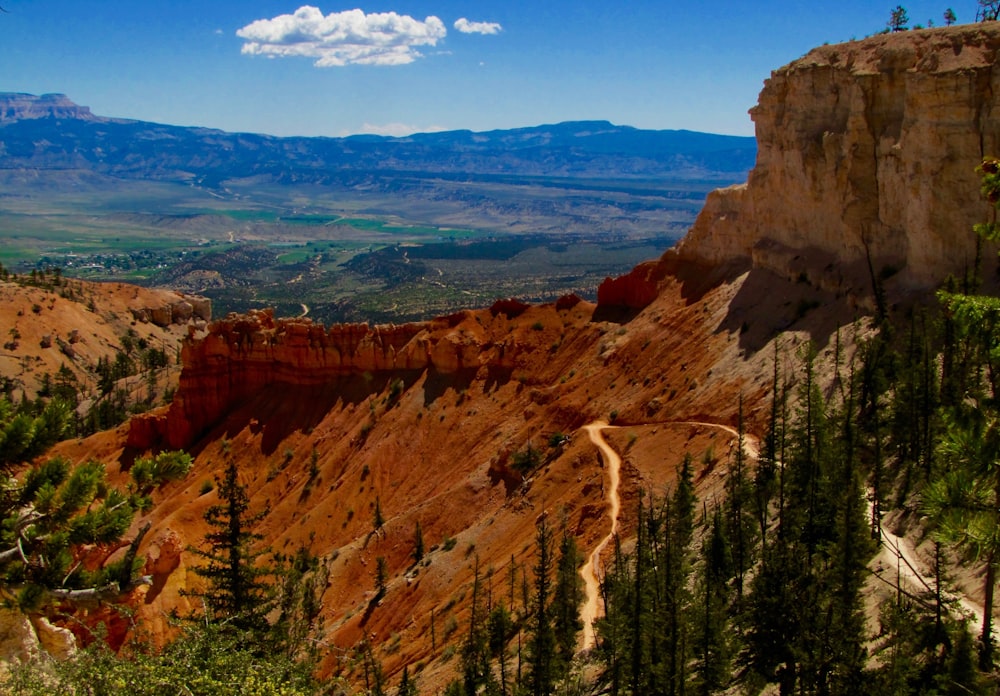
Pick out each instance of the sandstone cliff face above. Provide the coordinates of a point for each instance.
(865, 148)
(242, 354)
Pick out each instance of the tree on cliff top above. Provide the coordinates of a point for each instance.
(898, 19)
(988, 11)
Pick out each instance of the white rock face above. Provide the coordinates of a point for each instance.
(866, 150)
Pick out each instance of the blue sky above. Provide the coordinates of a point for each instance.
(286, 67)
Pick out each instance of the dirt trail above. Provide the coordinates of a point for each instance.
(589, 570)
(897, 565)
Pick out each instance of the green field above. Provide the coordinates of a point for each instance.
(404, 248)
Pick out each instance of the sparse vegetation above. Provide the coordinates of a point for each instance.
(526, 460)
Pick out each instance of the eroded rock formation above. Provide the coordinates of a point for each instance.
(866, 150)
(241, 354)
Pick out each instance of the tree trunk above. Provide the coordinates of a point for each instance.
(986, 638)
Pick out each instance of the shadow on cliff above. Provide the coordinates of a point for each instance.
(766, 305)
(278, 410)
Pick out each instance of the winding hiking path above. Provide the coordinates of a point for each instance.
(589, 570)
(898, 567)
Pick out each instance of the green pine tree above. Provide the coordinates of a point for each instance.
(236, 590)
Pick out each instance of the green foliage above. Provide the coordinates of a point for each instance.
(476, 672)
(713, 644)
(27, 432)
(378, 520)
(542, 668)
(557, 439)
(301, 581)
(566, 600)
(898, 19)
(646, 635)
(395, 390)
(989, 11)
(55, 509)
(150, 472)
(236, 590)
(418, 543)
(203, 661)
(381, 577)
(526, 460)
(964, 500)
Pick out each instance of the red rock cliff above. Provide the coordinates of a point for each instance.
(242, 354)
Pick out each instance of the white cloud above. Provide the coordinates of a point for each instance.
(466, 27)
(397, 130)
(342, 38)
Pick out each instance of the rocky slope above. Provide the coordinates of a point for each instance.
(75, 323)
(866, 152)
(426, 418)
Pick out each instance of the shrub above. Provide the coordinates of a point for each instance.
(526, 460)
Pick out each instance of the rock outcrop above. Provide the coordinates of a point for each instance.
(180, 309)
(17, 106)
(866, 152)
(634, 290)
(244, 353)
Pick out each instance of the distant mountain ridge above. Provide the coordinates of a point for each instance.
(50, 132)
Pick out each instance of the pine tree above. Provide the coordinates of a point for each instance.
(381, 577)
(475, 650)
(407, 686)
(965, 501)
(676, 571)
(714, 645)
(378, 521)
(739, 522)
(542, 640)
(418, 543)
(500, 628)
(236, 591)
(566, 601)
(49, 515)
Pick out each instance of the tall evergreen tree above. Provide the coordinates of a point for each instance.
(965, 500)
(236, 590)
(566, 601)
(475, 651)
(542, 639)
(714, 644)
(739, 520)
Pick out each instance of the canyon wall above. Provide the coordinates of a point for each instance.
(241, 354)
(866, 151)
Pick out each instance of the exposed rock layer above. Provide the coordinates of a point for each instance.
(865, 148)
(16, 107)
(242, 354)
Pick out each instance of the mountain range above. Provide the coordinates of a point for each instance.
(50, 132)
